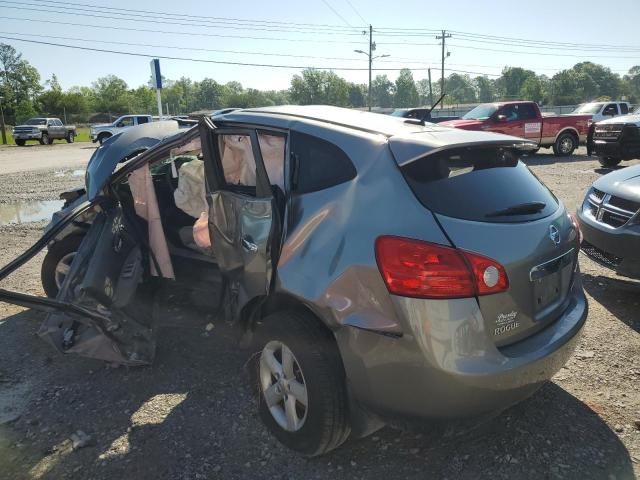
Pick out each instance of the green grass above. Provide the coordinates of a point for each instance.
(82, 135)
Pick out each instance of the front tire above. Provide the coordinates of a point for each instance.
(565, 144)
(103, 137)
(57, 262)
(301, 383)
(609, 162)
(71, 137)
(20, 142)
(45, 140)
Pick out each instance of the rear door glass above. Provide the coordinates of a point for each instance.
(478, 184)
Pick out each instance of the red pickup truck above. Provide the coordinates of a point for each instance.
(523, 119)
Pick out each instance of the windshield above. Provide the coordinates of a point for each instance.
(481, 112)
(588, 108)
(36, 121)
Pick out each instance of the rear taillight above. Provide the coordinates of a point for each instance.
(412, 268)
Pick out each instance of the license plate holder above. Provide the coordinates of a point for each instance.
(547, 280)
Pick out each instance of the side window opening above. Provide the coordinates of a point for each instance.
(624, 108)
(142, 120)
(320, 164)
(239, 163)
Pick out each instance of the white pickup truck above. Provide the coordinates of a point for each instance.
(603, 110)
(99, 133)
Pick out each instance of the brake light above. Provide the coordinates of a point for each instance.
(412, 268)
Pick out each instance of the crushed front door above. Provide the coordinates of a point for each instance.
(242, 208)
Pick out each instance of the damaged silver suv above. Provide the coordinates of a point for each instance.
(382, 268)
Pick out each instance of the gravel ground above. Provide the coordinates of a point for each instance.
(192, 416)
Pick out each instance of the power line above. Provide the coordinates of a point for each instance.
(197, 17)
(356, 12)
(542, 53)
(201, 60)
(194, 34)
(173, 22)
(336, 12)
(195, 49)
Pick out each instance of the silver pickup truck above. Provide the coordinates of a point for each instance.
(99, 133)
(45, 130)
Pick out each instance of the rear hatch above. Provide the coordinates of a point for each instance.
(488, 202)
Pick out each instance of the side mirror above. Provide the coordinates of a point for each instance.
(501, 118)
(119, 124)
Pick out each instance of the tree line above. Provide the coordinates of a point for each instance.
(24, 94)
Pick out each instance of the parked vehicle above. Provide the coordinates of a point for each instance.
(440, 308)
(423, 114)
(603, 110)
(617, 139)
(99, 133)
(609, 218)
(45, 130)
(563, 133)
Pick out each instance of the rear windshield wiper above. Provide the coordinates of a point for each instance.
(522, 209)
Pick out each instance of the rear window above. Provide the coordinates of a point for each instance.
(487, 184)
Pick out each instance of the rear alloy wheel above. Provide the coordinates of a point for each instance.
(301, 383)
(609, 162)
(57, 263)
(44, 139)
(565, 145)
(71, 137)
(20, 142)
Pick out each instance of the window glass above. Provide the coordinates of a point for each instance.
(472, 183)
(610, 109)
(527, 111)
(142, 120)
(624, 108)
(509, 111)
(321, 164)
(125, 122)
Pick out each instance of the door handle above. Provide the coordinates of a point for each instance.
(248, 245)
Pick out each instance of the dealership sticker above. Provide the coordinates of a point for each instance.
(506, 322)
(532, 127)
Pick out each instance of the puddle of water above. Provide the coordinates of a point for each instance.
(69, 173)
(28, 211)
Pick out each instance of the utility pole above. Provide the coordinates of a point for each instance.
(442, 37)
(372, 48)
(2, 127)
(430, 90)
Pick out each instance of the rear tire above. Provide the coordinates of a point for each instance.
(45, 140)
(565, 144)
(20, 142)
(315, 369)
(71, 137)
(55, 263)
(102, 137)
(609, 162)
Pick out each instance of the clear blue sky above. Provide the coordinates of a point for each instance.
(567, 21)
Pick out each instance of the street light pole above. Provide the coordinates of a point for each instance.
(372, 47)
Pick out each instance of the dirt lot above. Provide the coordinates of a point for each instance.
(192, 415)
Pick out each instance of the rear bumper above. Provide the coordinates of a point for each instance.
(448, 367)
(615, 248)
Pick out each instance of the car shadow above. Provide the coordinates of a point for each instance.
(192, 415)
(548, 158)
(617, 295)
